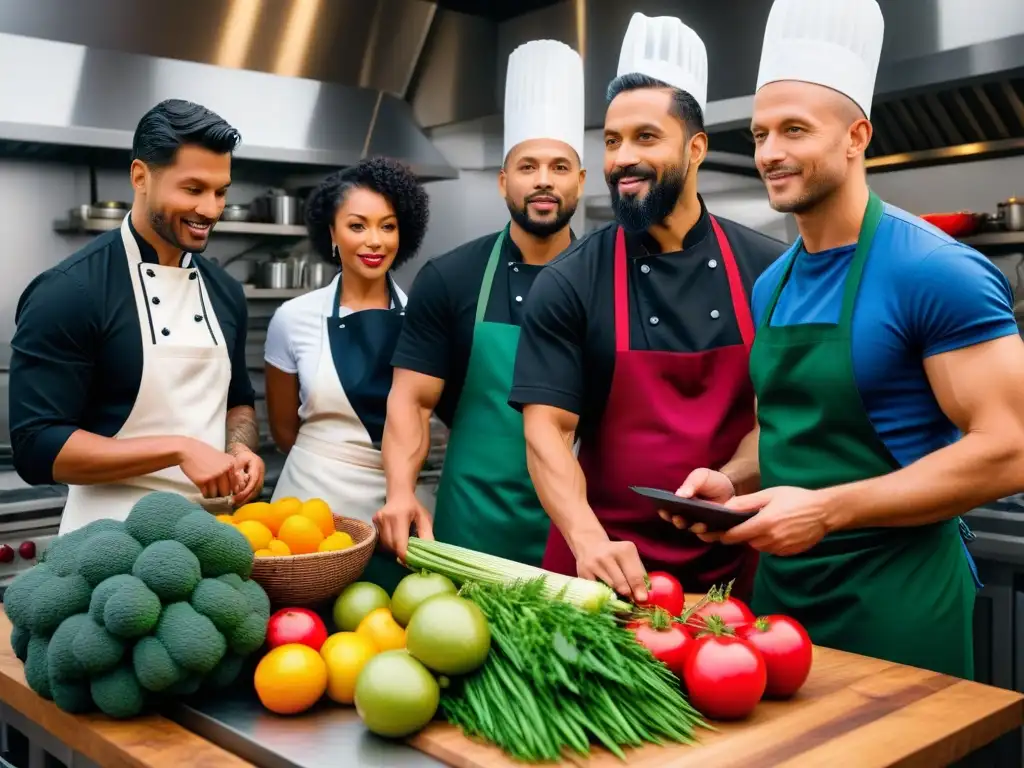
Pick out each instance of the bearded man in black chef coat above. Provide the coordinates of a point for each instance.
(128, 366)
(635, 340)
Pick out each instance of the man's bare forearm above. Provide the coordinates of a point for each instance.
(558, 479)
(405, 445)
(242, 430)
(975, 470)
(743, 469)
(89, 459)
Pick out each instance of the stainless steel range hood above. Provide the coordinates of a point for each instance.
(308, 83)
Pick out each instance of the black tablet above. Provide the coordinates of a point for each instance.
(714, 516)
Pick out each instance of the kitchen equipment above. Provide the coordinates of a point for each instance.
(108, 209)
(275, 273)
(235, 212)
(278, 207)
(715, 516)
(958, 224)
(1011, 213)
(318, 274)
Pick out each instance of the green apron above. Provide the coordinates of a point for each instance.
(903, 594)
(486, 500)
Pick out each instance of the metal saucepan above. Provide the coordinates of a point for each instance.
(319, 274)
(235, 212)
(107, 209)
(1011, 214)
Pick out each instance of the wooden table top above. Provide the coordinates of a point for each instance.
(145, 742)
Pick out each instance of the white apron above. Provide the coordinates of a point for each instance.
(335, 458)
(186, 370)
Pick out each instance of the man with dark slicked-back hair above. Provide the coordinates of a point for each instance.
(128, 366)
(635, 340)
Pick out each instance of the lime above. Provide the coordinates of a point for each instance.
(355, 601)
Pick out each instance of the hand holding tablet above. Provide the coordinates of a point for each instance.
(715, 516)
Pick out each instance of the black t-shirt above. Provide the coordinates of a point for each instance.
(437, 334)
(77, 354)
(678, 302)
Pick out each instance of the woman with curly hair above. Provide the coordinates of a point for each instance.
(328, 352)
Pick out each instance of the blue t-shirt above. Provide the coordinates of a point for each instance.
(922, 293)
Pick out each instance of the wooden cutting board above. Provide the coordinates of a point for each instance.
(852, 711)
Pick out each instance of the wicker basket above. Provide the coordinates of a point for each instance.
(313, 578)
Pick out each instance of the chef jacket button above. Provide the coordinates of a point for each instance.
(156, 299)
(645, 268)
(198, 318)
(192, 275)
(166, 331)
(515, 269)
(655, 320)
(713, 263)
(342, 325)
(151, 273)
(519, 298)
(714, 314)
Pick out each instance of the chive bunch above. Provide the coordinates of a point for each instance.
(559, 678)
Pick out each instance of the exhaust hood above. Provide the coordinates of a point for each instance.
(310, 84)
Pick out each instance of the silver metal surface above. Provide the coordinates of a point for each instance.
(275, 274)
(93, 226)
(318, 274)
(1011, 215)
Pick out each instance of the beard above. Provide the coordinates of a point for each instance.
(818, 188)
(541, 229)
(636, 213)
(162, 224)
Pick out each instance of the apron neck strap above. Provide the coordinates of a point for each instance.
(394, 300)
(492, 266)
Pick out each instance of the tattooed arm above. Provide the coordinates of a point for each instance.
(242, 443)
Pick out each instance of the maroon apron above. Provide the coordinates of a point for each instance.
(667, 414)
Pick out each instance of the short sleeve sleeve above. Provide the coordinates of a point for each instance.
(549, 358)
(278, 349)
(425, 344)
(956, 298)
(52, 368)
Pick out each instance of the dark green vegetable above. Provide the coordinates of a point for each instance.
(559, 679)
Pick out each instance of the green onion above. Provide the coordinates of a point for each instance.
(463, 565)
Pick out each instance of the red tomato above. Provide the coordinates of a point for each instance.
(666, 592)
(787, 651)
(725, 676)
(667, 641)
(733, 611)
(296, 625)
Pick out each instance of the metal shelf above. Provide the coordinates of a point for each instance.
(994, 238)
(94, 226)
(271, 294)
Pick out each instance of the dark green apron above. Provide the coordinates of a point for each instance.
(901, 594)
(486, 500)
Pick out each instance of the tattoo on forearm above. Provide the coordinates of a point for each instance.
(242, 428)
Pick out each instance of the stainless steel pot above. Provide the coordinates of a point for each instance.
(235, 213)
(1011, 213)
(275, 273)
(319, 274)
(278, 207)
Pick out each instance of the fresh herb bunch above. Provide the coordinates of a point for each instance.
(559, 678)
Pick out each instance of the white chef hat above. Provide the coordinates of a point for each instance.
(664, 48)
(835, 43)
(544, 95)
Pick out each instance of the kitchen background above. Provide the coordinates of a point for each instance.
(317, 84)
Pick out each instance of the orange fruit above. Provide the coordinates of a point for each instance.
(318, 511)
(263, 553)
(345, 654)
(257, 510)
(278, 547)
(300, 534)
(280, 511)
(290, 679)
(380, 627)
(258, 534)
(336, 541)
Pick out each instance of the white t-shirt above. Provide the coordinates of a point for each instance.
(296, 332)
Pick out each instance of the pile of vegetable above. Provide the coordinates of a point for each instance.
(116, 614)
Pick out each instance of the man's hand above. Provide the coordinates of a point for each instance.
(213, 472)
(788, 521)
(705, 484)
(395, 520)
(250, 472)
(616, 563)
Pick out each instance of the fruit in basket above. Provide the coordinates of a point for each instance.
(257, 533)
(117, 611)
(301, 535)
(787, 651)
(336, 542)
(380, 627)
(290, 626)
(413, 589)
(318, 511)
(449, 634)
(725, 676)
(290, 679)
(346, 653)
(278, 548)
(357, 600)
(396, 695)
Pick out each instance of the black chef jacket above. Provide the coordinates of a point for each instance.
(678, 302)
(438, 331)
(76, 356)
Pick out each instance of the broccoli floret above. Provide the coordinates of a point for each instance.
(96, 650)
(154, 667)
(225, 551)
(186, 687)
(37, 672)
(102, 592)
(107, 554)
(19, 642)
(248, 636)
(118, 694)
(221, 603)
(256, 597)
(191, 639)
(75, 698)
(169, 569)
(226, 672)
(60, 598)
(62, 553)
(231, 579)
(132, 611)
(194, 528)
(18, 597)
(63, 666)
(154, 516)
